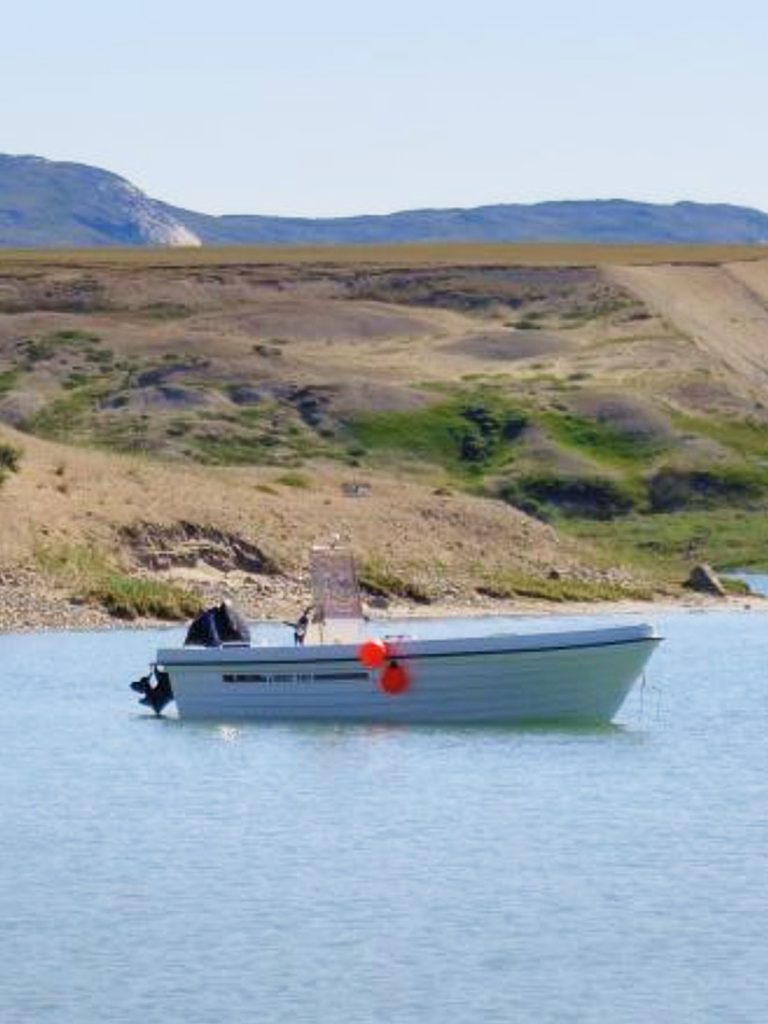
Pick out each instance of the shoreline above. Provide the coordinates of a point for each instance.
(30, 605)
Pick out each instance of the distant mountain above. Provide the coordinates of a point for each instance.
(44, 203)
(49, 204)
(595, 221)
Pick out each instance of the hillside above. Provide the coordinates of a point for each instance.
(49, 204)
(481, 428)
(45, 204)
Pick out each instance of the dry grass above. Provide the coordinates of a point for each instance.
(70, 498)
(409, 255)
(89, 575)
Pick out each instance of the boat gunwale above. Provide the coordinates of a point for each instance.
(410, 649)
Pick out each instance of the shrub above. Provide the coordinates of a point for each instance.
(10, 458)
(586, 497)
(300, 480)
(671, 489)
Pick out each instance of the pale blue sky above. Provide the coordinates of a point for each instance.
(340, 107)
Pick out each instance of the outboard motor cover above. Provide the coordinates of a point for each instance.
(222, 624)
(231, 625)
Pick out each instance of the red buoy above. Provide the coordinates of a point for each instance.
(394, 678)
(372, 653)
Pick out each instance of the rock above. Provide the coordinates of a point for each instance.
(704, 580)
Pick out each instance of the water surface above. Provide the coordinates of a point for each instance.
(155, 871)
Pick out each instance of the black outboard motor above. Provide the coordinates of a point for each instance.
(222, 624)
(157, 696)
(219, 625)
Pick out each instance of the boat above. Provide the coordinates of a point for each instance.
(339, 672)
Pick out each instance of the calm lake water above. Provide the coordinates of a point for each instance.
(155, 871)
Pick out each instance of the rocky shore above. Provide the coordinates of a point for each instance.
(28, 603)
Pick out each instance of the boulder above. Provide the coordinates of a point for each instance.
(704, 580)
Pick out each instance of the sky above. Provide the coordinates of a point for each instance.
(335, 108)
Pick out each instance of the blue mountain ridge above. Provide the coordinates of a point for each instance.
(49, 204)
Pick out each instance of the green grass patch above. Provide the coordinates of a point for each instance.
(45, 347)
(747, 437)
(293, 479)
(8, 381)
(64, 417)
(100, 356)
(465, 434)
(737, 587)
(530, 322)
(91, 575)
(126, 597)
(75, 564)
(670, 543)
(508, 584)
(381, 580)
(266, 448)
(76, 379)
(254, 415)
(597, 440)
(73, 337)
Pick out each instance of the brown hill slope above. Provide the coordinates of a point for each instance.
(267, 400)
(247, 531)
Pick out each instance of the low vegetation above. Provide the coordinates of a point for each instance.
(603, 442)
(426, 254)
(506, 585)
(10, 460)
(585, 497)
(379, 579)
(8, 381)
(300, 480)
(90, 575)
(669, 543)
(673, 488)
(465, 434)
(126, 597)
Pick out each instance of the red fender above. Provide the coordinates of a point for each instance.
(372, 653)
(395, 678)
